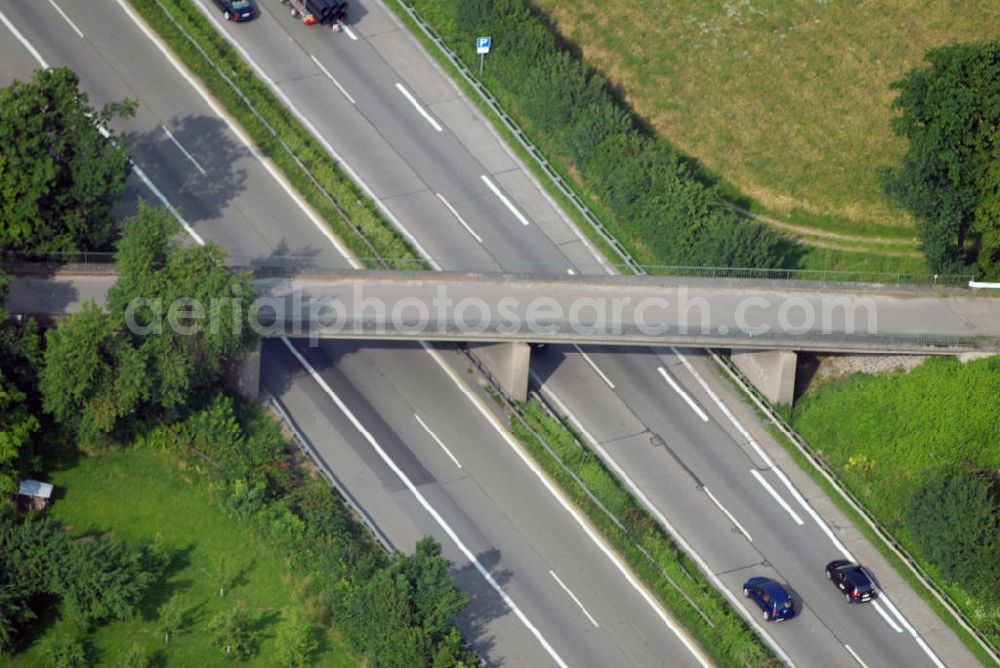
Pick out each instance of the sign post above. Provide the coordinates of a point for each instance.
(483, 45)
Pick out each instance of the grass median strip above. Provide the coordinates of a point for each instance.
(315, 174)
(666, 570)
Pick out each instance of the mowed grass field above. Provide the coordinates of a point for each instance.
(143, 495)
(787, 100)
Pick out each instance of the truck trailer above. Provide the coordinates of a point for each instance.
(325, 12)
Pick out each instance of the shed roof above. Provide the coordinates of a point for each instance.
(42, 490)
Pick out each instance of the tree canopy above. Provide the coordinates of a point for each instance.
(949, 178)
(101, 368)
(61, 170)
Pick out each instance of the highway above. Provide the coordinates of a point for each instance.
(407, 164)
(393, 422)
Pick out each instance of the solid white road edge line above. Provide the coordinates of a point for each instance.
(104, 132)
(318, 136)
(777, 497)
(886, 617)
(594, 366)
(437, 440)
(809, 509)
(319, 224)
(727, 513)
(63, 14)
(416, 105)
(183, 150)
(350, 33)
(575, 599)
(737, 603)
(855, 655)
(333, 79)
(460, 219)
(503, 198)
(24, 41)
(569, 507)
(422, 501)
(684, 395)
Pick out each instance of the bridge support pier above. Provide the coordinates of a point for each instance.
(507, 363)
(243, 376)
(771, 371)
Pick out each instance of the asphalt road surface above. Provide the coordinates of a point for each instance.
(435, 166)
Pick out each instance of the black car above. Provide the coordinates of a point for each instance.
(852, 579)
(236, 10)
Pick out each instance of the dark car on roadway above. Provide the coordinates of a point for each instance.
(237, 10)
(852, 579)
(774, 600)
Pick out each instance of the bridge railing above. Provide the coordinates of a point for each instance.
(299, 264)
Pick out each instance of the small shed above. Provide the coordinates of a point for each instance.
(34, 493)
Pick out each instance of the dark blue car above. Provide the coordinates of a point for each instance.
(775, 602)
(236, 10)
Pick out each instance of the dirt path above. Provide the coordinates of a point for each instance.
(813, 232)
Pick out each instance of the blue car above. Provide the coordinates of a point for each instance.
(775, 602)
(236, 10)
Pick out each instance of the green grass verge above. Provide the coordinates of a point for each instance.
(144, 494)
(651, 554)
(904, 571)
(312, 171)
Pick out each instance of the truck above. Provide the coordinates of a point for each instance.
(324, 12)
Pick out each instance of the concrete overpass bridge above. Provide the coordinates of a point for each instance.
(764, 322)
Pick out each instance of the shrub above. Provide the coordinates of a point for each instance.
(955, 521)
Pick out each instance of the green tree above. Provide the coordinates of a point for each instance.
(101, 580)
(172, 617)
(14, 612)
(986, 223)
(17, 425)
(134, 657)
(955, 520)
(295, 640)
(950, 115)
(60, 173)
(234, 632)
(66, 650)
(207, 304)
(92, 375)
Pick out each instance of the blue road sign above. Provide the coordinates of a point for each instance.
(483, 44)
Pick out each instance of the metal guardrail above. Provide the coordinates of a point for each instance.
(830, 476)
(307, 448)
